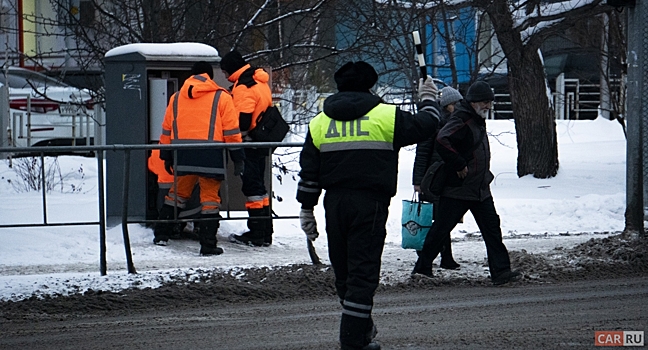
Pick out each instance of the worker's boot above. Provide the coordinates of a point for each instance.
(269, 227)
(207, 233)
(163, 230)
(256, 235)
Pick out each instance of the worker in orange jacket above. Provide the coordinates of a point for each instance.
(201, 112)
(164, 183)
(252, 97)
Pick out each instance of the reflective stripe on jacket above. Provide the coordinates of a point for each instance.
(201, 112)
(354, 145)
(351, 155)
(251, 94)
(374, 131)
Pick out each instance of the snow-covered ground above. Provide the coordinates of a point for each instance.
(585, 200)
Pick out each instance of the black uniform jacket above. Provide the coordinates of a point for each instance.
(461, 133)
(372, 172)
(425, 153)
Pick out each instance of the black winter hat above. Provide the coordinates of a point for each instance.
(201, 67)
(480, 91)
(355, 76)
(232, 61)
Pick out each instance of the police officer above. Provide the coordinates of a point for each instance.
(351, 151)
(200, 112)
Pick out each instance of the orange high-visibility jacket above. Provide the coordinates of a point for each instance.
(201, 112)
(156, 166)
(251, 95)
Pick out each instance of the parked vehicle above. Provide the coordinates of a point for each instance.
(44, 111)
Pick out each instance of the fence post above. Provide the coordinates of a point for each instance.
(43, 186)
(129, 257)
(102, 213)
(560, 97)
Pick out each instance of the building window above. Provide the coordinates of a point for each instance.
(86, 13)
(76, 12)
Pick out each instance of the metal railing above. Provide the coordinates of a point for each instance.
(71, 122)
(572, 99)
(99, 152)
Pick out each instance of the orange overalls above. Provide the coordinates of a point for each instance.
(200, 112)
(165, 182)
(252, 96)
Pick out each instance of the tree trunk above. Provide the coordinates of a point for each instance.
(534, 120)
(535, 125)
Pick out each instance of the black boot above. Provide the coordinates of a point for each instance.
(420, 269)
(357, 333)
(254, 237)
(163, 230)
(269, 227)
(447, 261)
(207, 234)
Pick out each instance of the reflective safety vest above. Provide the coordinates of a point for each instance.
(374, 131)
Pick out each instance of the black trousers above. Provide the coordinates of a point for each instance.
(450, 213)
(254, 172)
(446, 251)
(355, 227)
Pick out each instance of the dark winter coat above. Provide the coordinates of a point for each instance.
(425, 153)
(372, 172)
(461, 133)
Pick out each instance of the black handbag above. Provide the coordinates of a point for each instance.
(270, 126)
(433, 182)
(435, 177)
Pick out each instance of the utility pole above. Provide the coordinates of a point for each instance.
(637, 103)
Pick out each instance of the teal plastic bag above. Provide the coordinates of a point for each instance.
(416, 220)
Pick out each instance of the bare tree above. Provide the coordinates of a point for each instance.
(304, 40)
(520, 38)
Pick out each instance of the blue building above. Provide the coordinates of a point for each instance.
(451, 35)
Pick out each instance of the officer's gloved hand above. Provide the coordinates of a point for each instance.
(427, 89)
(239, 167)
(168, 166)
(308, 223)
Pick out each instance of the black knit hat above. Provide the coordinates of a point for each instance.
(232, 61)
(201, 67)
(480, 91)
(355, 76)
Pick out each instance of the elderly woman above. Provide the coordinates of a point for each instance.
(426, 156)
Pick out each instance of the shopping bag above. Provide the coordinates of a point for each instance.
(416, 220)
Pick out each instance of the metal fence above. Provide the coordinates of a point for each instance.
(33, 126)
(99, 152)
(573, 99)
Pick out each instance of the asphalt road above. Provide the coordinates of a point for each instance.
(561, 315)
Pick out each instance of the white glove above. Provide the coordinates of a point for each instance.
(427, 89)
(308, 223)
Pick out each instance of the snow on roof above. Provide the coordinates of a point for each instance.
(168, 49)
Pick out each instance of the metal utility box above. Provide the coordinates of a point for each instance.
(139, 80)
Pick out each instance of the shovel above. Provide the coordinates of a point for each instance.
(313, 254)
